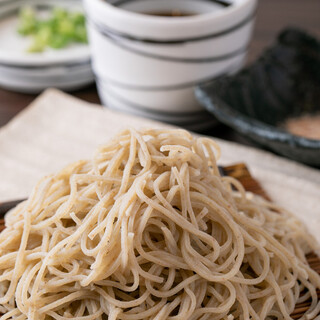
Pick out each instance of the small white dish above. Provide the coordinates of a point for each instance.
(13, 50)
(68, 68)
(34, 80)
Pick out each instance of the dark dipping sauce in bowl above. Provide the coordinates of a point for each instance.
(170, 13)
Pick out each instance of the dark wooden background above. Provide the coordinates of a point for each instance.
(273, 16)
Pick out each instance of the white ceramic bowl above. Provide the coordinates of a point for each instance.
(155, 62)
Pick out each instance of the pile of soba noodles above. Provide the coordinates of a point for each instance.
(148, 229)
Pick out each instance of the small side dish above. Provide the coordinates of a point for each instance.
(283, 84)
(43, 45)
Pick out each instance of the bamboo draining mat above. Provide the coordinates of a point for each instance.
(240, 172)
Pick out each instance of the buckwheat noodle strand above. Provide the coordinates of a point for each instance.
(148, 229)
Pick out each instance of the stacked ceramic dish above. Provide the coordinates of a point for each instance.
(147, 64)
(67, 69)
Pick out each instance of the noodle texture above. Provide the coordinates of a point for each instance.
(148, 229)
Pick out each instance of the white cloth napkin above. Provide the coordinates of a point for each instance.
(58, 129)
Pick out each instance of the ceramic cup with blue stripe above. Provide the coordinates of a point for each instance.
(148, 65)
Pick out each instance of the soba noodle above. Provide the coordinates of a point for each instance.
(150, 230)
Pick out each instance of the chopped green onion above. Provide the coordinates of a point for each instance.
(61, 28)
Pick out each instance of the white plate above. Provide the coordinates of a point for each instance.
(37, 87)
(67, 69)
(34, 80)
(13, 49)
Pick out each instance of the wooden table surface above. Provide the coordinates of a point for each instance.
(273, 16)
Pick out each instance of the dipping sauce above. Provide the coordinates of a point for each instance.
(307, 126)
(172, 13)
